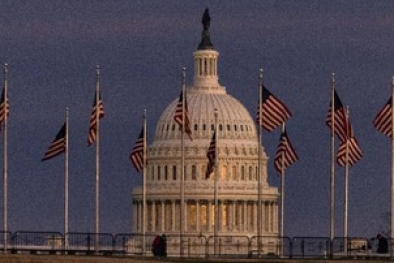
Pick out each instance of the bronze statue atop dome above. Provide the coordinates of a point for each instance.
(205, 36)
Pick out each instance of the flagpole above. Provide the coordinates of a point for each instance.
(216, 228)
(144, 184)
(259, 201)
(346, 197)
(182, 188)
(332, 168)
(97, 187)
(66, 184)
(283, 193)
(392, 165)
(5, 156)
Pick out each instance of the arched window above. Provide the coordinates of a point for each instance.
(223, 175)
(194, 172)
(250, 173)
(165, 173)
(242, 173)
(234, 173)
(203, 171)
(174, 173)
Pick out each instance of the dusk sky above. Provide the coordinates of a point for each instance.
(52, 48)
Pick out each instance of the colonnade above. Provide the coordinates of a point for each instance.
(163, 216)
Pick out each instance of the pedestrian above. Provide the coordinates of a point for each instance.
(382, 244)
(156, 246)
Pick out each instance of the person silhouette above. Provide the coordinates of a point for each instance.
(382, 244)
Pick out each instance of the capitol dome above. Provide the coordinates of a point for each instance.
(237, 169)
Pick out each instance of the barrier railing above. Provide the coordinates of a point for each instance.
(193, 246)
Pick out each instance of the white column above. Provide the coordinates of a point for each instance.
(173, 215)
(220, 214)
(186, 214)
(153, 213)
(245, 218)
(162, 216)
(139, 211)
(255, 217)
(209, 227)
(233, 214)
(198, 216)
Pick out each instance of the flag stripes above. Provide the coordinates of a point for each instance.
(178, 117)
(285, 154)
(137, 154)
(211, 155)
(354, 154)
(383, 120)
(4, 107)
(339, 118)
(58, 145)
(272, 112)
(98, 108)
(349, 151)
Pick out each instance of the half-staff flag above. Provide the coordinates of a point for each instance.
(4, 107)
(349, 151)
(339, 118)
(211, 155)
(137, 154)
(98, 108)
(382, 121)
(58, 145)
(271, 112)
(181, 111)
(285, 154)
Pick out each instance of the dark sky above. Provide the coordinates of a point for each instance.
(52, 48)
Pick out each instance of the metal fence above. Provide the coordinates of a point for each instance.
(192, 246)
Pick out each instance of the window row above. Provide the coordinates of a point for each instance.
(194, 172)
(204, 127)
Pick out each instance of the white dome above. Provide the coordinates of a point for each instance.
(234, 121)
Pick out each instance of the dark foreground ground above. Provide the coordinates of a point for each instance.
(100, 259)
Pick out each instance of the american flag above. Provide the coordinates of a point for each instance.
(353, 150)
(382, 121)
(339, 118)
(179, 115)
(349, 151)
(98, 107)
(137, 155)
(211, 155)
(58, 145)
(4, 107)
(272, 112)
(285, 154)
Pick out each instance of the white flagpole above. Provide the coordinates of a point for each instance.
(392, 166)
(66, 184)
(259, 201)
(346, 197)
(216, 228)
(97, 187)
(332, 169)
(182, 188)
(283, 194)
(144, 185)
(5, 156)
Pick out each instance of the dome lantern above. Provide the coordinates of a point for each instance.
(206, 59)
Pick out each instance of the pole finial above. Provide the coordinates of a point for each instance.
(333, 77)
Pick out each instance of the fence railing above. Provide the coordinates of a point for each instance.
(193, 246)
